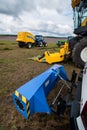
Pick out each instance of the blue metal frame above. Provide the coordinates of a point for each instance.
(31, 97)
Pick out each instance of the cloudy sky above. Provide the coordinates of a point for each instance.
(46, 17)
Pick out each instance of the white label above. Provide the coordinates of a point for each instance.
(46, 84)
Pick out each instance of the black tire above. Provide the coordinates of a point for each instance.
(72, 42)
(40, 44)
(29, 45)
(20, 44)
(76, 53)
(45, 45)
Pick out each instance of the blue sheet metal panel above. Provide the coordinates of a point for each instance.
(40, 102)
(28, 91)
(63, 73)
(59, 70)
(48, 85)
(31, 87)
(56, 71)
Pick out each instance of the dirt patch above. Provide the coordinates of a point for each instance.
(15, 70)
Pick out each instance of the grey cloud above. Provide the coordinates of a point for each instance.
(59, 5)
(16, 7)
(52, 29)
(34, 16)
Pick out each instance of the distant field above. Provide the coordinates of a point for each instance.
(47, 39)
(8, 37)
(16, 69)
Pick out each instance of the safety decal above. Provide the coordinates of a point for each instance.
(25, 101)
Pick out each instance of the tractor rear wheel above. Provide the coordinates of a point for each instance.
(20, 44)
(40, 44)
(29, 45)
(78, 53)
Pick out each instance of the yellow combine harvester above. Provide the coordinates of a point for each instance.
(50, 58)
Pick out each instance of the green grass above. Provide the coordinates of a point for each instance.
(3, 60)
(15, 70)
(7, 45)
(1, 127)
(4, 42)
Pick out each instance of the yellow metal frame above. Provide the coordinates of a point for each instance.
(75, 3)
(54, 57)
(84, 23)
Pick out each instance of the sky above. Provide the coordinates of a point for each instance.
(45, 17)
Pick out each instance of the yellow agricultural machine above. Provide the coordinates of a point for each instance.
(55, 57)
(25, 39)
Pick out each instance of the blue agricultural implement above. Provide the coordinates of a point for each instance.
(30, 98)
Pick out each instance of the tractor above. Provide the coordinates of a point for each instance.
(39, 41)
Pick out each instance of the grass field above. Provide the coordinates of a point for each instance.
(16, 69)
